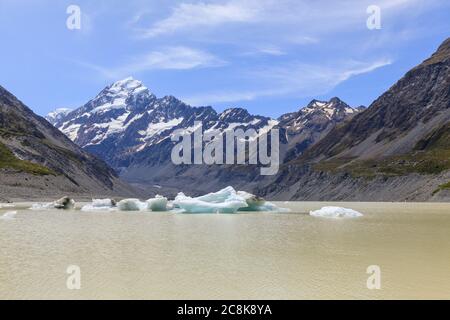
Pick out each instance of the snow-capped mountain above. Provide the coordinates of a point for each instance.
(131, 129)
(126, 119)
(54, 116)
(313, 122)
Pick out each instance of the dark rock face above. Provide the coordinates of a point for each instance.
(420, 98)
(400, 141)
(310, 124)
(36, 151)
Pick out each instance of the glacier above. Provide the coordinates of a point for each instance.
(335, 213)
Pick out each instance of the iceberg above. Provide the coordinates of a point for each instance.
(253, 202)
(227, 200)
(8, 215)
(159, 203)
(336, 212)
(219, 196)
(194, 205)
(42, 206)
(132, 205)
(64, 203)
(100, 205)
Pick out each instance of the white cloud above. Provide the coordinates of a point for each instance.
(298, 79)
(189, 15)
(171, 58)
(295, 16)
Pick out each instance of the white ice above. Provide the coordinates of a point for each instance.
(132, 205)
(99, 205)
(227, 200)
(8, 215)
(336, 212)
(195, 205)
(159, 203)
(42, 206)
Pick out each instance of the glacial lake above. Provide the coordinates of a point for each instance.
(124, 255)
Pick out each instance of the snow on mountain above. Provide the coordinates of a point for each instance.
(311, 123)
(131, 129)
(54, 116)
(125, 118)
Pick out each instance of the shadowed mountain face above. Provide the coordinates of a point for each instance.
(408, 119)
(399, 148)
(38, 160)
(310, 124)
(132, 130)
(412, 109)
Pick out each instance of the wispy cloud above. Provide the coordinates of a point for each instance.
(190, 15)
(304, 16)
(171, 58)
(298, 79)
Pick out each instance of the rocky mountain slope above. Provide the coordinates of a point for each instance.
(131, 129)
(38, 161)
(398, 149)
(312, 123)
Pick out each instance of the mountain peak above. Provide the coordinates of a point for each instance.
(334, 103)
(128, 84)
(236, 115)
(316, 103)
(56, 115)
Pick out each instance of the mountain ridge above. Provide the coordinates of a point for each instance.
(36, 156)
(125, 128)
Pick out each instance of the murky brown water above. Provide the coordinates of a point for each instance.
(245, 256)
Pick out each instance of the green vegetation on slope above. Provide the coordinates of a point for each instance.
(445, 186)
(431, 155)
(422, 162)
(8, 160)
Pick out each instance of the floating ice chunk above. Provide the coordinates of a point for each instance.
(269, 207)
(256, 203)
(132, 205)
(336, 212)
(6, 205)
(193, 205)
(8, 215)
(220, 196)
(227, 200)
(42, 206)
(99, 205)
(64, 203)
(159, 203)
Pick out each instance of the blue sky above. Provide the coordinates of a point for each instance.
(269, 56)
